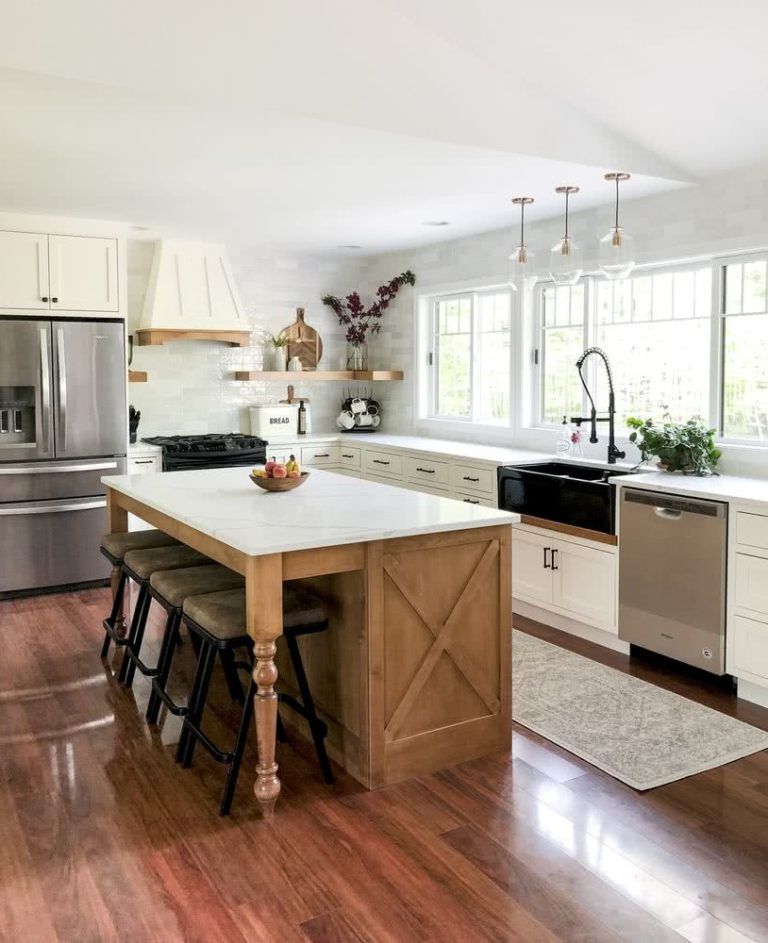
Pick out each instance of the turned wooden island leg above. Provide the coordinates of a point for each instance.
(117, 523)
(264, 622)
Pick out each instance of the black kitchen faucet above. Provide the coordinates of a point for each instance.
(593, 419)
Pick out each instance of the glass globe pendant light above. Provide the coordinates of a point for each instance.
(616, 256)
(521, 274)
(565, 264)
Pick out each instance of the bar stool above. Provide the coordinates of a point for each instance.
(218, 619)
(139, 565)
(114, 547)
(170, 588)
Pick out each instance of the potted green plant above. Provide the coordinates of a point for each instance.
(688, 447)
(279, 352)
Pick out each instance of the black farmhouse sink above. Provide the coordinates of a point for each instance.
(579, 495)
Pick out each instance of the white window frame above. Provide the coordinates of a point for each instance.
(429, 411)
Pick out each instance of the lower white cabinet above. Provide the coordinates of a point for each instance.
(567, 576)
(750, 647)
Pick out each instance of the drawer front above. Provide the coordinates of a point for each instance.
(750, 649)
(426, 470)
(424, 488)
(383, 480)
(383, 463)
(349, 456)
(751, 583)
(144, 464)
(752, 530)
(474, 478)
(480, 499)
(320, 455)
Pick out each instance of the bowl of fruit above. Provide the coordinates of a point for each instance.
(276, 476)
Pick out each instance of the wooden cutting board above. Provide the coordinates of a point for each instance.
(303, 342)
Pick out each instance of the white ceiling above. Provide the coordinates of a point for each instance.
(304, 126)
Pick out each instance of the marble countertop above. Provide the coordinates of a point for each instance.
(327, 511)
(716, 487)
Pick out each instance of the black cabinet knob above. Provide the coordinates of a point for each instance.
(44, 298)
(54, 300)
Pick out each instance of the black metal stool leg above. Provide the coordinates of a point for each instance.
(230, 673)
(116, 607)
(140, 613)
(316, 726)
(197, 698)
(135, 644)
(237, 753)
(164, 661)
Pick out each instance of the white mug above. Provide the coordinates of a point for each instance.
(358, 406)
(363, 419)
(345, 419)
(376, 421)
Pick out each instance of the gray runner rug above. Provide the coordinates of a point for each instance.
(637, 732)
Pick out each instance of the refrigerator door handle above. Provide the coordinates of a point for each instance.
(45, 388)
(56, 469)
(61, 360)
(24, 509)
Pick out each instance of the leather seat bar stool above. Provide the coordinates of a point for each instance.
(170, 588)
(218, 619)
(139, 565)
(114, 547)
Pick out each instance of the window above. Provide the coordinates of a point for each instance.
(471, 357)
(562, 341)
(745, 351)
(655, 329)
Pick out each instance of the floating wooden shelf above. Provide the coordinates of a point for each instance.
(293, 376)
(153, 337)
(137, 376)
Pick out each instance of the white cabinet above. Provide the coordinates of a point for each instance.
(465, 477)
(377, 462)
(481, 499)
(24, 271)
(566, 575)
(144, 464)
(349, 457)
(320, 455)
(585, 583)
(426, 470)
(83, 273)
(750, 649)
(751, 583)
(747, 625)
(41, 272)
(531, 567)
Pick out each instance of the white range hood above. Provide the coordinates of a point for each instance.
(192, 294)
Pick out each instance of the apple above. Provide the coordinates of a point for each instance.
(268, 466)
(279, 471)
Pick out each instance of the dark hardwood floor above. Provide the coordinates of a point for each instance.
(103, 838)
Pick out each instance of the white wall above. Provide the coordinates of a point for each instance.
(727, 214)
(190, 387)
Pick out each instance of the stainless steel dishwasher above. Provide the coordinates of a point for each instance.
(672, 562)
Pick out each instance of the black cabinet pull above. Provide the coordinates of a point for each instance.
(378, 461)
(344, 455)
(44, 298)
(427, 471)
(547, 565)
(467, 478)
(323, 455)
(471, 500)
(554, 559)
(54, 300)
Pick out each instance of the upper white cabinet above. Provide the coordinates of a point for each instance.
(83, 273)
(24, 271)
(41, 272)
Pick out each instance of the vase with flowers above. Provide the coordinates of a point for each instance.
(278, 351)
(360, 321)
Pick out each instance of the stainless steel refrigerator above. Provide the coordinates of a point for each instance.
(62, 426)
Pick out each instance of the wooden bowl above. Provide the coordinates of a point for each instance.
(279, 484)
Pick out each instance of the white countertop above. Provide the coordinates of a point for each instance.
(714, 487)
(328, 510)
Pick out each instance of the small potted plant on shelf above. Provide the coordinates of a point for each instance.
(688, 447)
(278, 352)
(359, 321)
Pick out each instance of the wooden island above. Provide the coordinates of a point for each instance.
(415, 672)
